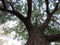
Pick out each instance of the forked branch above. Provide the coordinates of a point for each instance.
(49, 15)
(45, 24)
(19, 15)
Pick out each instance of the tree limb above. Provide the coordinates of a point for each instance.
(54, 37)
(49, 15)
(55, 9)
(13, 11)
(19, 15)
(45, 24)
(25, 20)
(4, 5)
(47, 6)
(11, 5)
(29, 3)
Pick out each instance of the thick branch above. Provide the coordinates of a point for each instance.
(47, 7)
(54, 37)
(49, 15)
(11, 6)
(45, 24)
(26, 20)
(19, 15)
(29, 8)
(4, 5)
(55, 9)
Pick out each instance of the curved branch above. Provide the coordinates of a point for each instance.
(54, 37)
(45, 24)
(26, 20)
(49, 15)
(19, 15)
(11, 5)
(5, 3)
(29, 8)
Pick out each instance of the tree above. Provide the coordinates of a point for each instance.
(36, 34)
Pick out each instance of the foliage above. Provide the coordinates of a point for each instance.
(38, 17)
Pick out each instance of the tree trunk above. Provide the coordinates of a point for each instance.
(36, 38)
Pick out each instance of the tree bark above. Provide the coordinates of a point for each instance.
(36, 38)
(54, 37)
(36, 35)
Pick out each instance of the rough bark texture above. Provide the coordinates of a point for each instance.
(36, 38)
(36, 35)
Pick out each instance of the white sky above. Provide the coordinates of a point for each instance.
(8, 39)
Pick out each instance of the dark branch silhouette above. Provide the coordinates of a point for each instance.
(49, 15)
(47, 6)
(19, 15)
(54, 37)
(46, 22)
(36, 35)
(29, 3)
(26, 20)
(11, 5)
(55, 9)
(4, 5)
